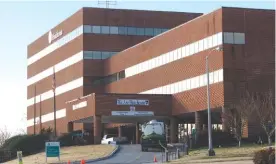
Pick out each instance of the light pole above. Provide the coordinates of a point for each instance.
(211, 151)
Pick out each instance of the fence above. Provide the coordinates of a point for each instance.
(174, 151)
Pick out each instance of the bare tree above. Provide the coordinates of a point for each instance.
(4, 135)
(236, 117)
(265, 110)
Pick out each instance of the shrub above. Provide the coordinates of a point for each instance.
(66, 139)
(264, 156)
(28, 144)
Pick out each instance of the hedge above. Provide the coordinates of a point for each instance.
(264, 156)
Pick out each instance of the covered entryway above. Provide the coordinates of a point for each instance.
(102, 113)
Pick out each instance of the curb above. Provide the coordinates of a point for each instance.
(106, 157)
(117, 148)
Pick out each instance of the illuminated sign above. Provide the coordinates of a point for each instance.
(52, 37)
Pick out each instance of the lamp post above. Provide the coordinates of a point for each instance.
(211, 151)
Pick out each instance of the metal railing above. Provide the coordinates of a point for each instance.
(173, 152)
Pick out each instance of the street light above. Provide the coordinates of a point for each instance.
(211, 151)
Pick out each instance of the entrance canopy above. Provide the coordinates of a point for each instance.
(119, 108)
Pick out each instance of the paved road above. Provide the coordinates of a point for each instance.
(131, 154)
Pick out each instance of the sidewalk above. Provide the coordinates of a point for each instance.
(234, 160)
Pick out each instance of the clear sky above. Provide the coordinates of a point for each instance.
(22, 22)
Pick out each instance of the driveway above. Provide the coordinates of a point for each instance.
(131, 154)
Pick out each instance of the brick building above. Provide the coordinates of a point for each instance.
(111, 61)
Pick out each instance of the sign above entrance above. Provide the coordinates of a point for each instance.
(132, 113)
(132, 102)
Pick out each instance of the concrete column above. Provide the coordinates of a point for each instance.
(173, 130)
(70, 127)
(138, 135)
(120, 131)
(198, 121)
(224, 120)
(97, 129)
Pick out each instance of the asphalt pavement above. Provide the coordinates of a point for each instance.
(132, 154)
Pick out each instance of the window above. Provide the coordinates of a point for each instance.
(149, 32)
(175, 55)
(168, 89)
(228, 37)
(87, 29)
(196, 47)
(180, 86)
(205, 44)
(146, 65)
(215, 40)
(192, 83)
(183, 49)
(176, 87)
(157, 31)
(164, 30)
(200, 45)
(105, 29)
(184, 85)
(122, 30)
(216, 76)
(131, 31)
(211, 77)
(96, 29)
(97, 55)
(113, 53)
(105, 55)
(192, 49)
(140, 31)
(201, 80)
(170, 56)
(239, 38)
(179, 53)
(187, 50)
(87, 55)
(221, 75)
(197, 82)
(219, 36)
(210, 41)
(114, 30)
(172, 88)
(188, 84)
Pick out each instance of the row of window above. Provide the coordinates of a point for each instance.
(109, 79)
(187, 50)
(97, 54)
(123, 30)
(97, 30)
(62, 41)
(188, 84)
(233, 38)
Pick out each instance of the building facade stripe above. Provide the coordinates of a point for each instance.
(47, 117)
(187, 84)
(59, 90)
(117, 30)
(177, 87)
(58, 67)
(185, 51)
(54, 46)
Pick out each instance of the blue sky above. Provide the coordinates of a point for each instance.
(22, 22)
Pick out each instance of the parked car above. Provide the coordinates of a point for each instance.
(108, 139)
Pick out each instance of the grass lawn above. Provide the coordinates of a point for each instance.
(245, 152)
(71, 153)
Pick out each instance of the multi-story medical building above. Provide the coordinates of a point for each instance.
(116, 67)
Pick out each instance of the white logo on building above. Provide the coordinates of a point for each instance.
(52, 36)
